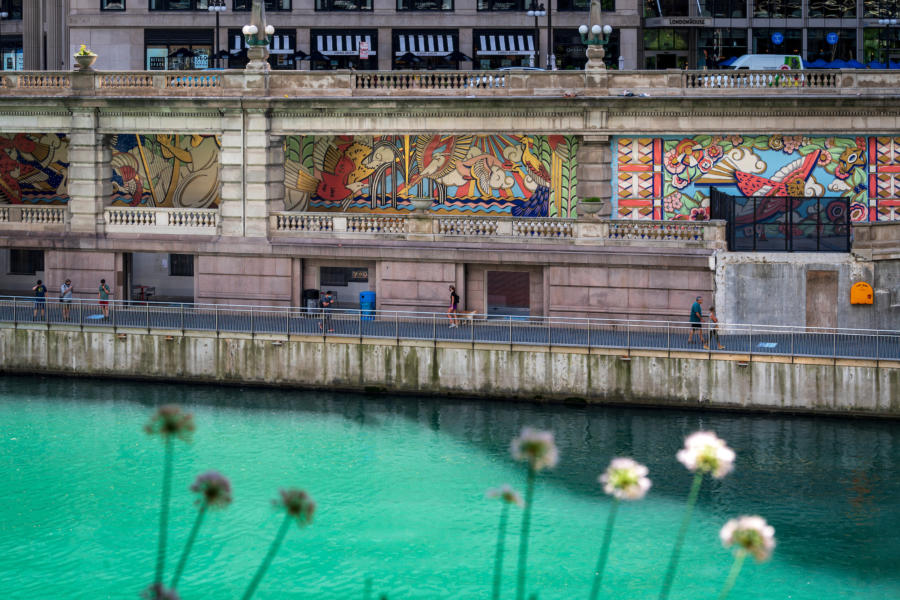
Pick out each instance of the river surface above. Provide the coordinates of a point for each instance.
(400, 485)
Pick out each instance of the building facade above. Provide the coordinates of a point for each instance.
(344, 34)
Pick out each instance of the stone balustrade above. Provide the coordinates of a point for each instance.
(569, 84)
(41, 218)
(504, 229)
(203, 221)
(655, 231)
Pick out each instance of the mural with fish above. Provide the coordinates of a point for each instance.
(174, 171)
(668, 178)
(34, 168)
(519, 175)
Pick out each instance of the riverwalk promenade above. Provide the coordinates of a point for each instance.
(624, 335)
(846, 372)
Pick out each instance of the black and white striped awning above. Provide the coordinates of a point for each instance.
(342, 45)
(424, 45)
(505, 45)
(278, 44)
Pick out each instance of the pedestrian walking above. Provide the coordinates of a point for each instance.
(103, 294)
(65, 298)
(453, 311)
(40, 299)
(713, 329)
(326, 304)
(696, 319)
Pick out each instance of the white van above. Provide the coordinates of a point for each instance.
(767, 62)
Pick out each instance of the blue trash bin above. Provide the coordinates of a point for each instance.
(367, 306)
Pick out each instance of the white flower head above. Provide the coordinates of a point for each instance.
(705, 452)
(535, 447)
(625, 479)
(506, 494)
(752, 534)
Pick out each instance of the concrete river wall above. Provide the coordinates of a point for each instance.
(502, 371)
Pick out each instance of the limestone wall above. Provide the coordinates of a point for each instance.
(498, 371)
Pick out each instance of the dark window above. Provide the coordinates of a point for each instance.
(343, 5)
(570, 51)
(776, 9)
(501, 5)
(177, 49)
(13, 8)
(791, 43)
(112, 4)
(717, 45)
(496, 48)
(25, 262)
(340, 49)
(834, 9)
(180, 4)
(424, 4)
(11, 56)
(817, 46)
(429, 49)
(584, 5)
(725, 8)
(342, 276)
(181, 265)
(282, 46)
(667, 8)
(275, 5)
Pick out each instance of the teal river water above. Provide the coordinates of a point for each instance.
(400, 487)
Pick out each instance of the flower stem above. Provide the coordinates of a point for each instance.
(523, 538)
(273, 549)
(679, 541)
(164, 511)
(188, 545)
(498, 556)
(735, 571)
(604, 550)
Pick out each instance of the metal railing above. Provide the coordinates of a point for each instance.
(616, 334)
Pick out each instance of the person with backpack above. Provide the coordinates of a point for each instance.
(326, 304)
(40, 299)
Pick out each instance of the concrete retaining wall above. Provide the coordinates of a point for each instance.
(499, 371)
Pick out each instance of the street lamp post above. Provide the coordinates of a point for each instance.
(216, 6)
(536, 10)
(256, 37)
(595, 37)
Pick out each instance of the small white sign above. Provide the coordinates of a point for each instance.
(363, 50)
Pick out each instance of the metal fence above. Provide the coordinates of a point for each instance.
(511, 330)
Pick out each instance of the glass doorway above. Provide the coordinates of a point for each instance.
(665, 60)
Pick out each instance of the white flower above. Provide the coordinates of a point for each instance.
(752, 534)
(705, 452)
(625, 479)
(536, 447)
(506, 494)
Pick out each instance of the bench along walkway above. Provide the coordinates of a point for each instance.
(537, 331)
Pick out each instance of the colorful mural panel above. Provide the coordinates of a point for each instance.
(34, 168)
(173, 171)
(669, 178)
(518, 175)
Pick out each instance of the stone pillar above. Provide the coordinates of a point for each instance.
(595, 170)
(264, 172)
(252, 173)
(33, 35)
(89, 173)
(55, 14)
(231, 174)
(385, 49)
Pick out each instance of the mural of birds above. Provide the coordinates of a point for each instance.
(538, 205)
